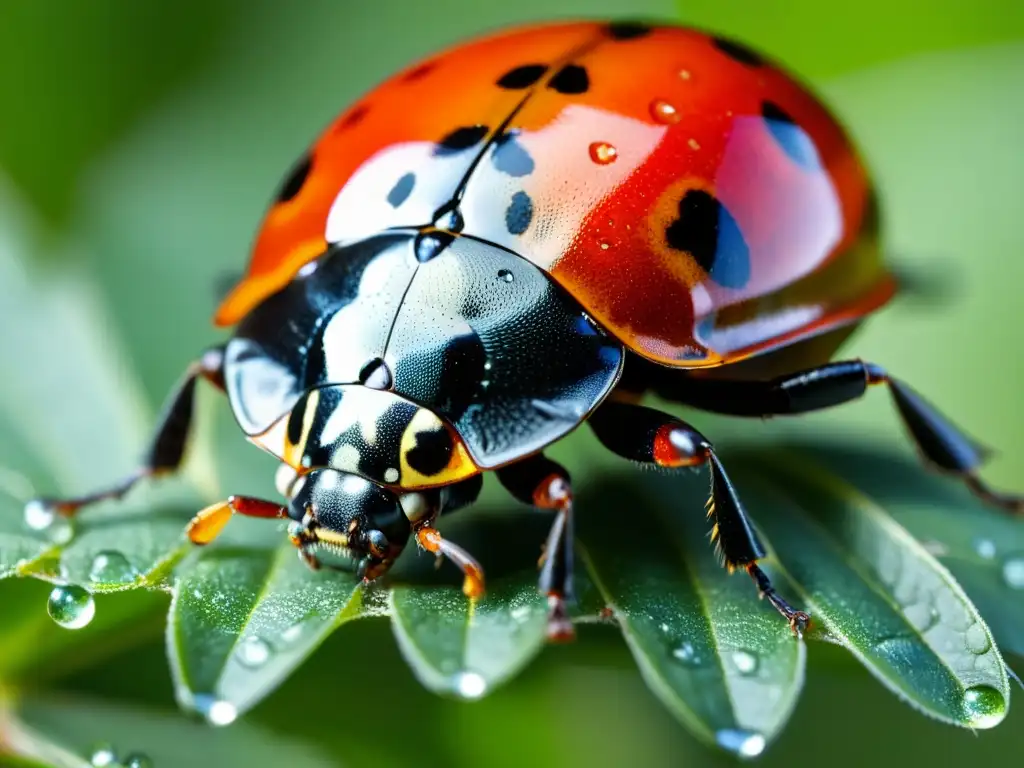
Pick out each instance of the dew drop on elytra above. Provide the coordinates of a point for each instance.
(71, 606)
(603, 153)
(664, 113)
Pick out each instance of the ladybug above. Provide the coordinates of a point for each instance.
(531, 231)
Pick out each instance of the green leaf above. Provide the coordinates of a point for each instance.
(79, 724)
(242, 620)
(728, 667)
(463, 648)
(981, 546)
(873, 588)
(467, 648)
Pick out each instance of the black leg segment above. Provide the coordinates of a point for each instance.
(941, 443)
(542, 483)
(643, 434)
(167, 449)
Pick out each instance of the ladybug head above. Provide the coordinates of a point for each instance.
(349, 516)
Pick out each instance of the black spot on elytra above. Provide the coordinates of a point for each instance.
(791, 137)
(420, 72)
(522, 77)
(402, 189)
(430, 245)
(352, 119)
(461, 139)
(707, 231)
(432, 452)
(296, 179)
(571, 79)
(511, 157)
(738, 52)
(628, 30)
(519, 213)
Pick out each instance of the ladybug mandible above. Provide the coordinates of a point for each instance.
(531, 231)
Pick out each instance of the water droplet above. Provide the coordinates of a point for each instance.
(984, 706)
(603, 153)
(663, 112)
(1013, 572)
(469, 685)
(976, 639)
(42, 517)
(103, 755)
(138, 760)
(39, 515)
(605, 245)
(253, 652)
(745, 661)
(743, 743)
(506, 275)
(986, 548)
(665, 628)
(216, 711)
(686, 654)
(71, 606)
(111, 567)
(521, 613)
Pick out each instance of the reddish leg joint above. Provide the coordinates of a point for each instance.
(473, 582)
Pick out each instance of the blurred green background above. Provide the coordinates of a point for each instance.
(139, 144)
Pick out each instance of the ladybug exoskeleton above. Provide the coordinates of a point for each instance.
(568, 216)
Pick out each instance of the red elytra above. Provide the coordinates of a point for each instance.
(699, 202)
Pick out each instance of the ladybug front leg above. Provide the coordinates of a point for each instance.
(940, 442)
(643, 434)
(168, 446)
(544, 484)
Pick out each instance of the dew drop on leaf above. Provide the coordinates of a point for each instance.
(984, 706)
(71, 606)
(111, 567)
(39, 516)
(103, 755)
(976, 639)
(686, 654)
(985, 548)
(1013, 572)
(745, 662)
(740, 742)
(216, 711)
(469, 685)
(254, 652)
(138, 760)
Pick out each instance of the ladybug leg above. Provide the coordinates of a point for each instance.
(208, 523)
(473, 582)
(167, 448)
(544, 484)
(646, 435)
(941, 443)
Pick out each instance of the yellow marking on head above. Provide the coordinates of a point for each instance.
(293, 452)
(459, 466)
